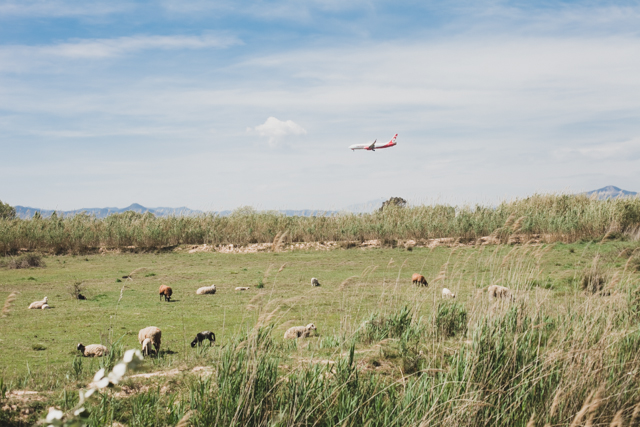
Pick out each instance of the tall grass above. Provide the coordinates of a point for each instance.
(554, 217)
(517, 364)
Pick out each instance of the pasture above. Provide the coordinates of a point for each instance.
(38, 347)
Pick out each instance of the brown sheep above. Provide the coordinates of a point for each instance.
(165, 291)
(419, 278)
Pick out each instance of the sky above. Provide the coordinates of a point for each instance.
(215, 105)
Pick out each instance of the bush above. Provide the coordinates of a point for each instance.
(6, 211)
(396, 325)
(593, 278)
(451, 319)
(26, 261)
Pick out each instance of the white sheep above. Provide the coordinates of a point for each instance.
(446, 293)
(92, 350)
(299, 331)
(314, 282)
(242, 288)
(497, 291)
(45, 306)
(153, 334)
(38, 304)
(206, 290)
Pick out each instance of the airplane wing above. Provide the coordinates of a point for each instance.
(373, 146)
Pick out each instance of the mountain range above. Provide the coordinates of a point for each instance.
(611, 192)
(367, 207)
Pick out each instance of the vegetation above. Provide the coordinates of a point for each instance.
(6, 211)
(551, 218)
(387, 352)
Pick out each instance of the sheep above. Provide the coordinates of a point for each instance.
(38, 304)
(92, 350)
(206, 290)
(314, 282)
(45, 306)
(446, 293)
(497, 291)
(242, 288)
(419, 278)
(204, 335)
(152, 333)
(299, 331)
(146, 347)
(165, 291)
(80, 296)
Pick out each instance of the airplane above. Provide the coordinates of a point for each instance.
(373, 147)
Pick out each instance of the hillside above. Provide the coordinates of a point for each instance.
(611, 192)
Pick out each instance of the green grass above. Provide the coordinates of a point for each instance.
(398, 353)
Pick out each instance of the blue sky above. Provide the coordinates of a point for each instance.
(215, 105)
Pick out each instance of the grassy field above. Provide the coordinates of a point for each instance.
(417, 360)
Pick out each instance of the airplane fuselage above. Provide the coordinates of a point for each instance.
(373, 147)
(368, 147)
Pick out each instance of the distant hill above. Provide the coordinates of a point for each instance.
(611, 192)
(27, 212)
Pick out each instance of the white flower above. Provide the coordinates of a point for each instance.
(118, 372)
(98, 375)
(102, 383)
(132, 357)
(54, 414)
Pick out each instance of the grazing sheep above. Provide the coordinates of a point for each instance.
(38, 304)
(206, 290)
(93, 350)
(80, 296)
(165, 291)
(446, 293)
(242, 288)
(147, 350)
(419, 278)
(45, 307)
(204, 335)
(153, 333)
(314, 282)
(299, 331)
(497, 291)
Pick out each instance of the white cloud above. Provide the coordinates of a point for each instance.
(609, 151)
(53, 8)
(106, 48)
(276, 130)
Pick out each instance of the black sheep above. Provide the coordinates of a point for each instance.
(204, 335)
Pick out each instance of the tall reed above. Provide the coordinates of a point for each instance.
(554, 217)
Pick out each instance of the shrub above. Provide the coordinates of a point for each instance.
(6, 211)
(26, 261)
(450, 319)
(396, 325)
(593, 278)
(75, 290)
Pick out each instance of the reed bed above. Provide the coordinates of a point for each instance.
(551, 217)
